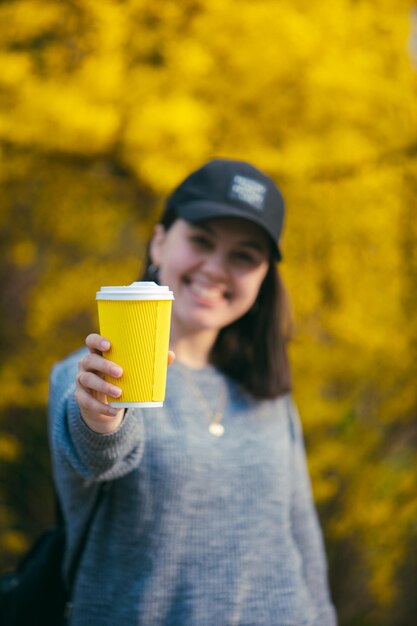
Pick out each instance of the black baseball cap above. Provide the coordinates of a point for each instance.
(229, 188)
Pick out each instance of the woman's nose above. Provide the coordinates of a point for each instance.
(215, 265)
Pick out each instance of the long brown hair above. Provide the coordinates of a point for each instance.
(253, 349)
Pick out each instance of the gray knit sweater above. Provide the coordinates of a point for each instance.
(193, 530)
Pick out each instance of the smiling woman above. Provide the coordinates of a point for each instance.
(209, 518)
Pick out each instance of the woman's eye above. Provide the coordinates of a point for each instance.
(200, 240)
(245, 257)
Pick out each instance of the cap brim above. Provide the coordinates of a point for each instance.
(195, 212)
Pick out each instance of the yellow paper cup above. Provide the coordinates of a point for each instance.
(136, 320)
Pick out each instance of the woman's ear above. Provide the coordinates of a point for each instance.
(155, 249)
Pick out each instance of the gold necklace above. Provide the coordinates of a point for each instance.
(215, 427)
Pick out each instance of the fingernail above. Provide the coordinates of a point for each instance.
(116, 371)
(115, 392)
(112, 412)
(104, 344)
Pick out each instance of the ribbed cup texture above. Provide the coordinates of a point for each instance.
(139, 334)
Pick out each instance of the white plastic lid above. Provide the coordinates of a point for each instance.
(140, 290)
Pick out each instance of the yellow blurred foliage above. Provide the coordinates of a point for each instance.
(105, 106)
(13, 542)
(10, 448)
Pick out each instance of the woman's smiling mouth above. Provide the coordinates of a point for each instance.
(210, 293)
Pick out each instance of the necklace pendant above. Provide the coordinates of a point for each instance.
(215, 429)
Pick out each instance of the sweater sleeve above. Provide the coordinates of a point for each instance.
(92, 456)
(306, 528)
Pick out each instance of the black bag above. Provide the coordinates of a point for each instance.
(36, 594)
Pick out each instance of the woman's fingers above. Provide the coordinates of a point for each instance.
(94, 362)
(171, 357)
(97, 343)
(92, 408)
(96, 383)
(92, 390)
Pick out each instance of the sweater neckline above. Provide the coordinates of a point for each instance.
(197, 371)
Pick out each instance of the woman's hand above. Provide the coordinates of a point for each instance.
(92, 390)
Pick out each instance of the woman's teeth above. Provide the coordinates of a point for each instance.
(209, 293)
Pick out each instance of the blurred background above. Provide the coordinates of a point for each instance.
(104, 106)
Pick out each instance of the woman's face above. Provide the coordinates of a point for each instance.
(214, 268)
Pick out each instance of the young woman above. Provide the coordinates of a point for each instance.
(207, 517)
